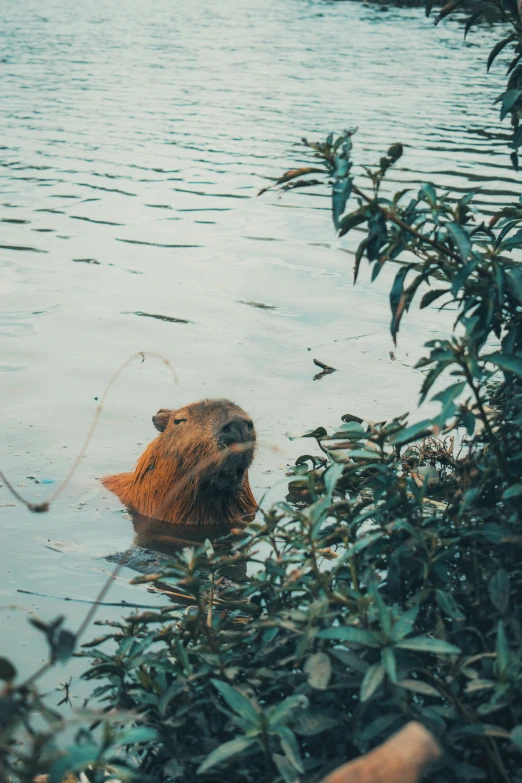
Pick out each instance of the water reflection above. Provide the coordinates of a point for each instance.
(157, 545)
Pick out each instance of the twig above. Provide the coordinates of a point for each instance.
(122, 604)
(99, 598)
(483, 415)
(45, 505)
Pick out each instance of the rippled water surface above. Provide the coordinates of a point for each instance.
(135, 138)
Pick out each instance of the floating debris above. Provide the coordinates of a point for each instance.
(325, 370)
(167, 318)
(261, 305)
(152, 244)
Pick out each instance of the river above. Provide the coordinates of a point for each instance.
(135, 138)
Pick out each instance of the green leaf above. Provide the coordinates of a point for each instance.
(514, 276)
(340, 194)
(447, 399)
(448, 9)
(411, 433)
(479, 685)
(371, 681)
(286, 768)
(449, 394)
(431, 296)
(377, 237)
(293, 173)
(332, 476)
(514, 491)
(347, 633)
(472, 19)
(428, 644)
(404, 624)
(516, 735)
(509, 99)
(350, 429)
(388, 662)
(363, 541)
(382, 610)
(237, 702)
(291, 747)
(483, 730)
(135, 735)
(7, 670)
(508, 363)
(498, 48)
(498, 589)
(418, 686)
(224, 752)
(351, 221)
(428, 193)
(319, 432)
(76, 759)
(448, 605)
(399, 301)
(461, 239)
(318, 669)
(167, 696)
(502, 649)
(65, 645)
(347, 455)
(280, 713)
(462, 275)
(311, 723)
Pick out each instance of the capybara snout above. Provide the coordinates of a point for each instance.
(237, 431)
(196, 471)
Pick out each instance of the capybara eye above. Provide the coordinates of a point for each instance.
(178, 421)
(250, 425)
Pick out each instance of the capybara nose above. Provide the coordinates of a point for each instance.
(237, 431)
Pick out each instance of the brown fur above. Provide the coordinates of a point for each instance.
(187, 475)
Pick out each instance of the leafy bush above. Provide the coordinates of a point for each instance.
(388, 587)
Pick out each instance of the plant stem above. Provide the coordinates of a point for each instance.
(483, 415)
(488, 743)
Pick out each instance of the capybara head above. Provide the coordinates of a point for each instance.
(195, 472)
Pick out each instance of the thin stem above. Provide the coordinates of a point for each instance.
(101, 595)
(483, 415)
(266, 752)
(489, 745)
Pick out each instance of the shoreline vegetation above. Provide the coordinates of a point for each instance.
(392, 589)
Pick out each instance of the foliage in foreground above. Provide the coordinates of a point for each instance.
(388, 586)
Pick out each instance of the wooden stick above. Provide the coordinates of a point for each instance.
(401, 759)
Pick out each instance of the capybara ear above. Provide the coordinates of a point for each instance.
(161, 419)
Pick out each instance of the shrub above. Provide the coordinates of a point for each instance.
(388, 587)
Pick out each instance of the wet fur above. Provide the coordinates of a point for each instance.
(184, 477)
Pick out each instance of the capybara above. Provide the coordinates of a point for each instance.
(195, 471)
(401, 759)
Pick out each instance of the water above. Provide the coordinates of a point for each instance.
(134, 141)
